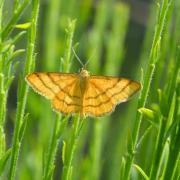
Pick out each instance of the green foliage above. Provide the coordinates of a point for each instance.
(140, 139)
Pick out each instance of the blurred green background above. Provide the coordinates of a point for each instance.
(117, 37)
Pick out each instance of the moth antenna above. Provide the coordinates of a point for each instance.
(77, 57)
(89, 59)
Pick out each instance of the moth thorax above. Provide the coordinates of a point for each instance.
(84, 77)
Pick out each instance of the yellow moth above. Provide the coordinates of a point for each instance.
(83, 93)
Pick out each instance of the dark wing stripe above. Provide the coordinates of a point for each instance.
(104, 90)
(69, 104)
(39, 77)
(100, 90)
(105, 102)
(48, 74)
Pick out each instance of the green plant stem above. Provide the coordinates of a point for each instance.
(50, 55)
(1, 9)
(141, 171)
(66, 67)
(174, 148)
(51, 151)
(163, 125)
(22, 96)
(2, 93)
(9, 27)
(59, 122)
(57, 132)
(1, 70)
(96, 150)
(158, 149)
(68, 168)
(146, 86)
(70, 33)
(3, 97)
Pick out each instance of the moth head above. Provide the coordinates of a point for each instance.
(84, 73)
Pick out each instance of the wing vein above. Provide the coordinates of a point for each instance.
(105, 102)
(104, 90)
(69, 104)
(48, 87)
(102, 99)
(70, 84)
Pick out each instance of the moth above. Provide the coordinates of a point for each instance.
(82, 93)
